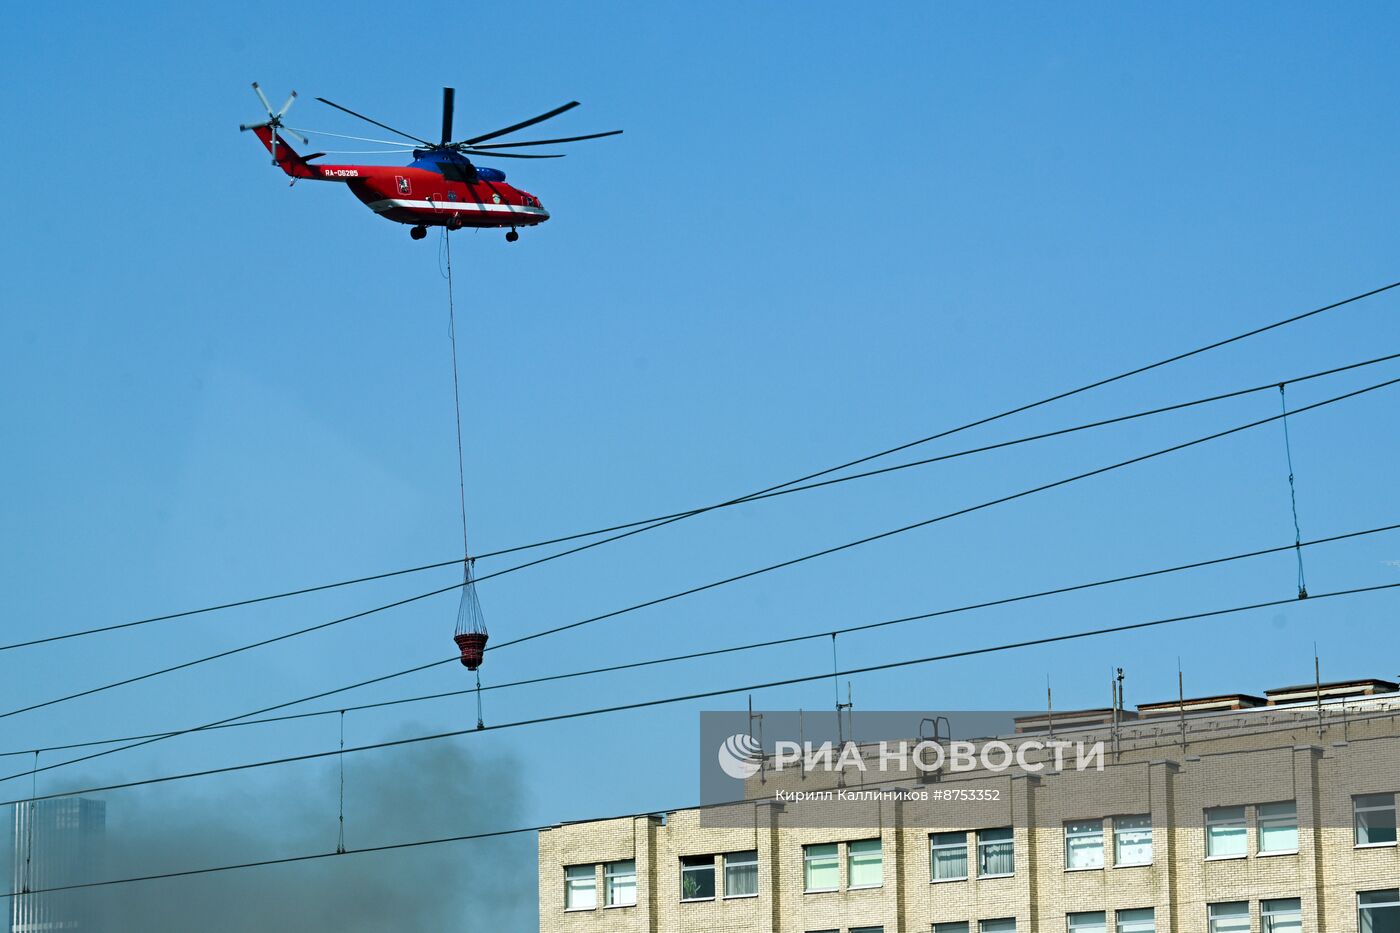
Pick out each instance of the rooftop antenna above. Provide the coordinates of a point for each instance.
(1181, 703)
(847, 708)
(802, 744)
(1116, 687)
(1049, 708)
(762, 756)
(1317, 680)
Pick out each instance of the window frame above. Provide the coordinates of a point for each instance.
(609, 874)
(1085, 834)
(1392, 904)
(727, 857)
(982, 845)
(1118, 832)
(1242, 822)
(1211, 918)
(1118, 919)
(1265, 912)
(1102, 922)
(850, 863)
(714, 887)
(982, 924)
(808, 858)
(569, 889)
(934, 846)
(1357, 810)
(952, 926)
(1259, 825)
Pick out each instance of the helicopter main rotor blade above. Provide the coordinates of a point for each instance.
(509, 155)
(383, 126)
(267, 105)
(519, 126)
(449, 96)
(288, 104)
(546, 142)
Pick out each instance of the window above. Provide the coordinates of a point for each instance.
(1137, 921)
(821, 868)
(947, 856)
(1084, 845)
(867, 930)
(865, 866)
(620, 884)
(1282, 916)
(741, 874)
(1132, 840)
(1092, 922)
(1226, 835)
(1278, 827)
(1228, 918)
(1375, 819)
(580, 887)
(959, 927)
(697, 877)
(1007, 925)
(996, 855)
(1378, 911)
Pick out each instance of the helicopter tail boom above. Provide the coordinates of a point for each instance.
(283, 155)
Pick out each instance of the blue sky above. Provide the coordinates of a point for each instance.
(821, 235)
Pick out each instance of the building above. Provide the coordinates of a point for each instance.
(1229, 814)
(56, 842)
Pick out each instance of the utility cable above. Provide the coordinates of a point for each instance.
(679, 515)
(543, 827)
(710, 694)
(751, 573)
(712, 652)
(1292, 492)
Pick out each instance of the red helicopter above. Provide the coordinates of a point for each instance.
(441, 187)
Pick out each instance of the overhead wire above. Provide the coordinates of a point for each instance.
(661, 520)
(708, 694)
(703, 587)
(1219, 736)
(728, 649)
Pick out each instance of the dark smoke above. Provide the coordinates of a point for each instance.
(415, 792)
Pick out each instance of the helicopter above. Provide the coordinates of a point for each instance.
(441, 187)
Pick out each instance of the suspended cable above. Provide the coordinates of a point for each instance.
(746, 498)
(729, 649)
(519, 830)
(340, 840)
(708, 586)
(1292, 493)
(710, 694)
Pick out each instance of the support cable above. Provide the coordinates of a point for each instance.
(519, 830)
(743, 576)
(742, 499)
(710, 694)
(340, 841)
(729, 649)
(1292, 493)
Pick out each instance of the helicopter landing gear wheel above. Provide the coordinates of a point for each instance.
(418, 232)
(512, 236)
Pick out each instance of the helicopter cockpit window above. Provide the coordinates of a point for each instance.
(453, 171)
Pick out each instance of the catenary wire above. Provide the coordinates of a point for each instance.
(741, 499)
(492, 834)
(1211, 562)
(710, 694)
(663, 599)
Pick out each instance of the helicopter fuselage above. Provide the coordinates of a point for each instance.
(448, 193)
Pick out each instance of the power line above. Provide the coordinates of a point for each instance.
(677, 516)
(949, 456)
(730, 649)
(708, 586)
(491, 834)
(707, 694)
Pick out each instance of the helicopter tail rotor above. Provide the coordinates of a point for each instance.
(273, 123)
